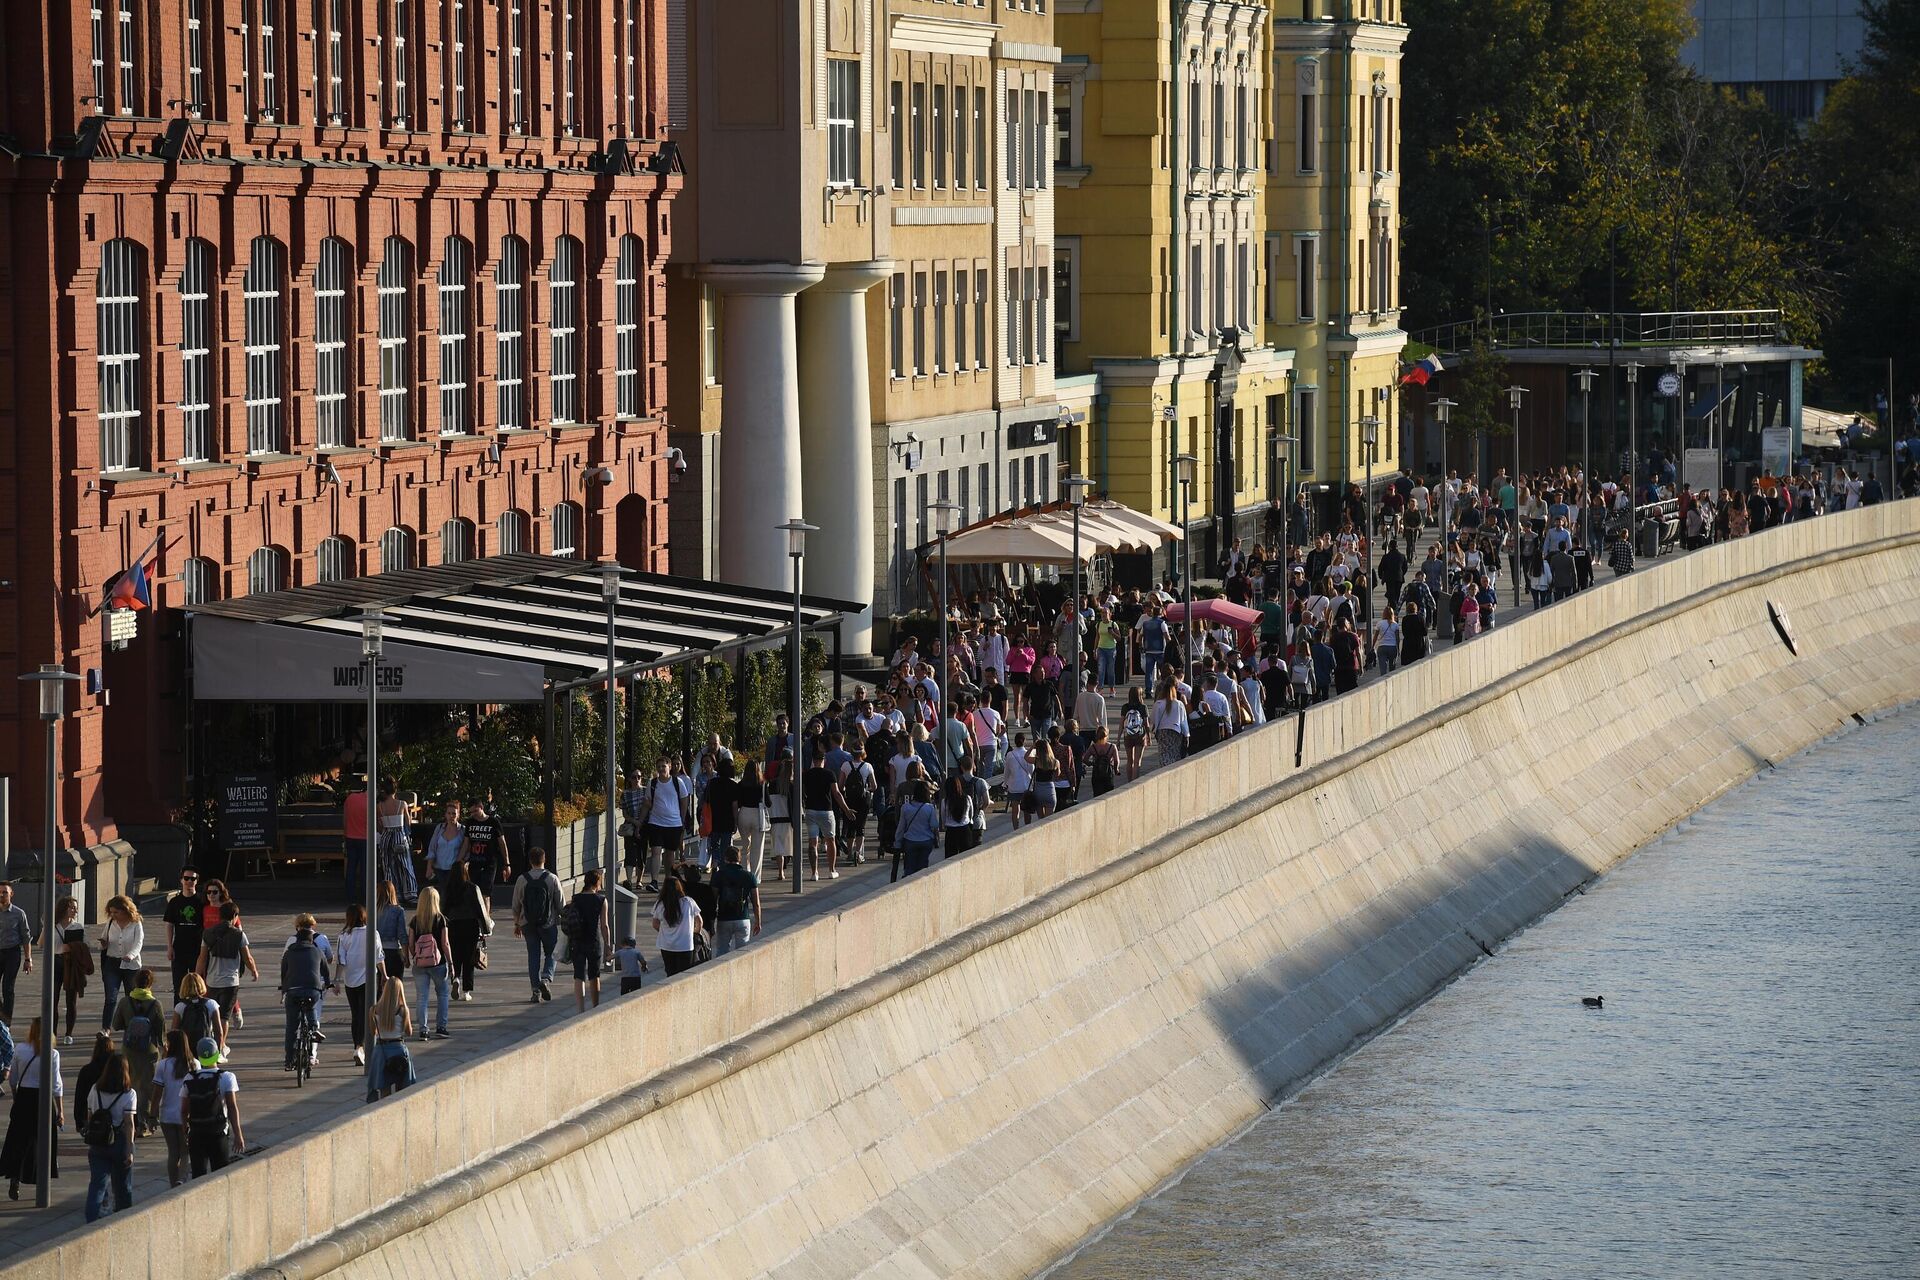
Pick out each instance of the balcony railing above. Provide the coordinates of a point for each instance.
(1575, 329)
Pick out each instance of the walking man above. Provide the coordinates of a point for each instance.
(736, 905)
(537, 901)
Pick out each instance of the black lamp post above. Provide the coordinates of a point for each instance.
(1585, 378)
(372, 626)
(797, 531)
(1183, 465)
(52, 679)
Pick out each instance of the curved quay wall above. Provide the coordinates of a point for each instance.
(969, 1073)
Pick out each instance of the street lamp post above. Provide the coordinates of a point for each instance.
(52, 679)
(1514, 393)
(1720, 423)
(1076, 487)
(610, 572)
(1369, 437)
(1633, 455)
(945, 515)
(1170, 415)
(1183, 466)
(1679, 433)
(796, 531)
(1585, 378)
(1444, 408)
(372, 641)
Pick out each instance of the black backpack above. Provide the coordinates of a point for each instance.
(1204, 732)
(206, 1115)
(855, 788)
(537, 900)
(1102, 772)
(101, 1130)
(197, 1022)
(143, 1025)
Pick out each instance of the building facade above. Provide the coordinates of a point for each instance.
(302, 292)
(1789, 51)
(1228, 253)
(864, 266)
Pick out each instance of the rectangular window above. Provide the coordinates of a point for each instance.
(897, 336)
(918, 126)
(897, 133)
(1026, 471)
(1032, 150)
(1242, 288)
(196, 348)
(98, 55)
(569, 45)
(1011, 132)
(1062, 135)
(1219, 121)
(710, 319)
(128, 97)
(940, 137)
(393, 289)
(980, 323)
(1063, 297)
(336, 61)
(1193, 115)
(196, 57)
(1196, 318)
(517, 65)
(980, 139)
(1038, 279)
(268, 106)
(1219, 286)
(626, 329)
(1013, 486)
(959, 137)
(1309, 141)
(265, 320)
(920, 324)
(902, 565)
(1013, 315)
(510, 334)
(960, 290)
(1306, 426)
(1306, 303)
(986, 490)
(397, 32)
(330, 328)
(118, 353)
(563, 328)
(1160, 290)
(940, 322)
(1240, 125)
(843, 122)
(456, 417)
(1379, 133)
(457, 63)
(630, 19)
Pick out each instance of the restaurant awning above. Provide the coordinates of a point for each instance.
(1013, 542)
(500, 629)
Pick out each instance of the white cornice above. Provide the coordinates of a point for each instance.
(1015, 51)
(942, 35)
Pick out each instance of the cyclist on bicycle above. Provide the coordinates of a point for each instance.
(304, 974)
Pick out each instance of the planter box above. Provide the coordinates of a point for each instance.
(575, 849)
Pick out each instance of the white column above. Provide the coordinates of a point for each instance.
(759, 417)
(836, 453)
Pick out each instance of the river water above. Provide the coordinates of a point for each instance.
(1747, 1104)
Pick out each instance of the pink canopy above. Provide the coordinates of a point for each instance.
(1226, 612)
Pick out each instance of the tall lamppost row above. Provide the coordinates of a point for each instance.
(1076, 487)
(945, 519)
(610, 572)
(797, 531)
(372, 642)
(1183, 465)
(52, 679)
(1514, 393)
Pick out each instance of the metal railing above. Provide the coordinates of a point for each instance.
(1632, 330)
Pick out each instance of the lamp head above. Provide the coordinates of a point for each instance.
(1514, 394)
(1444, 408)
(1585, 378)
(1633, 373)
(1369, 431)
(1076, 487)
(610, 574)
(1183, 466)
(372, 633)
(797, 531)
(946, 516)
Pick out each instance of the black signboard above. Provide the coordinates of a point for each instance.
(248, 818)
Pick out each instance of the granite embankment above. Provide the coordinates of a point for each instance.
(968, 1073)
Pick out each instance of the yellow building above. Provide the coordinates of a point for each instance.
(1231, 287)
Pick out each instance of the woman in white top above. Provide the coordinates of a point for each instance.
(1386, 638)
(676, 921)
(351, 972)
(170, 1078)
(1168, 720)
(121, 946)
(110, 1166)
(20, 1153)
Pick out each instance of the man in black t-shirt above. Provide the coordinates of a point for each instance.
(183, 915)
(823, 805)
(736, 908)
(486, 847)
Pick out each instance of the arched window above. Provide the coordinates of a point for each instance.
(563, 326)
(265, 287)
(196, 352)
(266, 571)
(123, 271)
(510, 328)
(510, 533)
(626, 328)
(332, 275)
(456, 404)
(456, 541)
(565, 530)
(396, 550)
(199, 581)
(395, 287)
(335, 558)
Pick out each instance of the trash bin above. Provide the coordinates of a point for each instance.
(625, 905)
(1649, 538)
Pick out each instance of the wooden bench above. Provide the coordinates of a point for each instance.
(311, 834)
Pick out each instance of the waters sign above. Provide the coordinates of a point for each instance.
(248, 817)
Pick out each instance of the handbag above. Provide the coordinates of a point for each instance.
(480, 957)
(702, 949)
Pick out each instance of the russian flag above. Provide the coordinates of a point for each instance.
(1421, 371)
(130, 589)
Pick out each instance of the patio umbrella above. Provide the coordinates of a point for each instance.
(1098, 531)
(1121, 513)
(1015, 542)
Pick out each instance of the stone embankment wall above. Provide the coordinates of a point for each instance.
(969, 1073)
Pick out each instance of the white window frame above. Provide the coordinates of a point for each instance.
(510, 330)
(517, 65)
(510, 533)
(333, 560)
(458, 117)
(897, 335)
(563, 330)
(263, 342)
(569, 67)
(197, 578)
(121, 315)
(843, 122)
(456, 540)
(198, 272)
(393, 286)
(336, 61)
(396, 549)
(563, 530)
(196, 35)
(1306, 293)
(266, 571)
(626, 328)
(399, 105)
(332, 278)
(453, 285)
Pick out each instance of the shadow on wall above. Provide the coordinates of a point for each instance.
(1329, 992)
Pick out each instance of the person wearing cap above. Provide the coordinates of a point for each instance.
(211, 1107)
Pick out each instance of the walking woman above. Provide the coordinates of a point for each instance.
(392, 925)
(76, 962)
(110, 1162)
(1133, 731)
(918, 827)
(169, 1083)
(141, 1023)
(1169, 721)
(20, 1152)
(468, 921)
(396, 845)
(676, 919)
(351, 973)
(431, 950)
(1045, 792)
(120, 951)
(390, 1068)
(1386, 638)
(750, 814)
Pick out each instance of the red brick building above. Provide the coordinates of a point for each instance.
(296, 290)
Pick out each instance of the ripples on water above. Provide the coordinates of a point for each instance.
(1747, 1104)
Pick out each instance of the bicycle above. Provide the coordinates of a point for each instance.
(306, 1048)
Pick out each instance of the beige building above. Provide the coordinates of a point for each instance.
(862, 267)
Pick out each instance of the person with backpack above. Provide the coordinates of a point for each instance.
(736, 895)
(110, 1106)
(90, 1074)
(537, 902)
(664, 825)
(958, 805)
(211, 1107)
(198, 1016)
(589, 937)
(305, 976)
(431, 952)
(1133, 731)
(676, 924)
(390, 1066)
(224, 953)
(169, 1087)
(858, 784)
(1103, 763)
(393, 932)
(140, 1023)
(469, 923)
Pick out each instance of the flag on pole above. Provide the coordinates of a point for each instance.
(1421, 371)
(131, 587)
